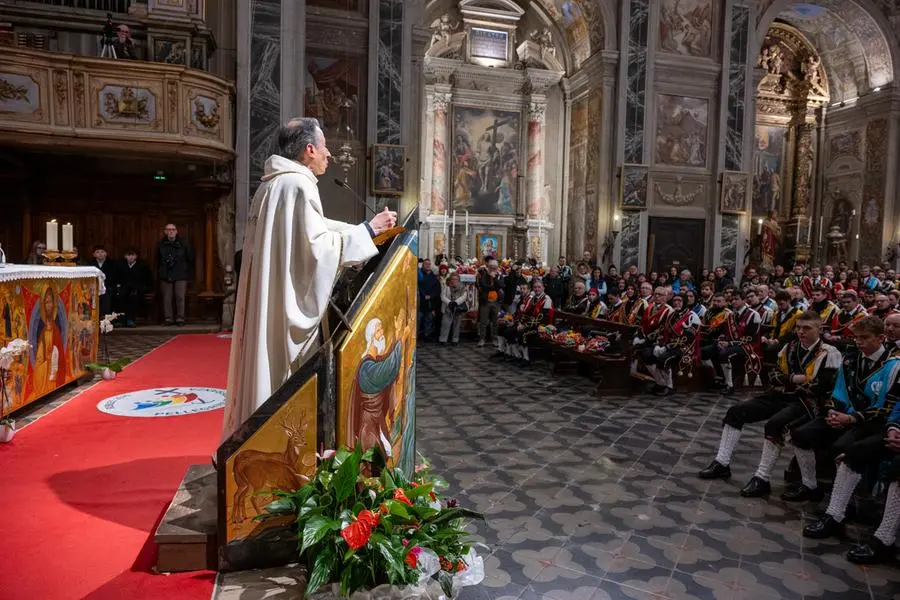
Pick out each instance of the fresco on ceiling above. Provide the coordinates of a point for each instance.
(852, 46)
(582, 23)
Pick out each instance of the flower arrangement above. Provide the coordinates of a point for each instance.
(110, 368)
(362, 526)
(8, 355)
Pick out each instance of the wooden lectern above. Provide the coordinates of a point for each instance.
(360, 385)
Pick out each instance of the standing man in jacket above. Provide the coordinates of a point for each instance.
(175, 261)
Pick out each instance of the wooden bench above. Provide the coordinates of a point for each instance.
(609, 369)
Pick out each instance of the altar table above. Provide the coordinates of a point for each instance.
(56, 309)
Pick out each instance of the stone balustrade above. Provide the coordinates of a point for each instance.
(133, 107)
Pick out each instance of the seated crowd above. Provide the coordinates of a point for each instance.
(822, 350)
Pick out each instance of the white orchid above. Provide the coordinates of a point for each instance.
(106, 324)
(13, 350)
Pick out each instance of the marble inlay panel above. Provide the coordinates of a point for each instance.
(265, 83)
(731, 229)
(734, 129)
(636, 87)
(390, 81)
(630, 239)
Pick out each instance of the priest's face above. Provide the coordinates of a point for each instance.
(317, 155)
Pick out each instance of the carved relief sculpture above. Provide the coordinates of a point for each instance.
(677, 197)
(78, 98)
(125, 105)
(209, 120)
(10, 92)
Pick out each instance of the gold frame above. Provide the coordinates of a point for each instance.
(496, 236)
(375, 190)
(621, 200)
(747, 192)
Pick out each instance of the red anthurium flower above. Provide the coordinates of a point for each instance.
(369, 518)
(432, 496)
(383, 509)
(400, 496)
(412, 557)
(357, 534)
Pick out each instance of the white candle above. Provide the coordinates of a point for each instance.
(759, 223)
(467, 224)
(445, 222)
(68, 243)
(809, 232)
(453, 234)
(797, 240)
(52, 235)
(820, 229)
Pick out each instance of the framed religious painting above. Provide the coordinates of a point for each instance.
(633, 183)
(388, 170)
(486, 151)
(735, 193)
(488, 244)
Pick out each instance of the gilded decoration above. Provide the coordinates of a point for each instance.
(126, 104)
(793, 69)
(206, 112)
(12, 92)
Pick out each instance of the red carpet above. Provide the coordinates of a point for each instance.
(82, 491)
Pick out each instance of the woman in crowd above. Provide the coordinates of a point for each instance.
(598, 282)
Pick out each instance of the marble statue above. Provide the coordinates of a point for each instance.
(441, 30)
(544, 39)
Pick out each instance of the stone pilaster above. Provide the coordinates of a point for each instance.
(442, 98)
(535, 170)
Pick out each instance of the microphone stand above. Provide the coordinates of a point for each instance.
(344, 185)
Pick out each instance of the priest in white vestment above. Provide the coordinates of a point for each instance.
(292, 256)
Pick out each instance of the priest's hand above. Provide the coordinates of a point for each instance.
(383, 221)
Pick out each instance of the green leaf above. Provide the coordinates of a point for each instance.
(341, 456)
(321, 571)
(416, 492)
(387, 480)
(316, 529)
(392, 557)
(345, 481)
(397, 508)
(281, 507)
(369, 455)
(456, 513)
(307, 507)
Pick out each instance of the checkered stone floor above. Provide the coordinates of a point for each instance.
(598, 499)
(121, 345)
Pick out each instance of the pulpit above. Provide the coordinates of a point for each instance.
(359, 386)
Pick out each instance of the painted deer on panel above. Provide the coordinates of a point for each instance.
(256, 471)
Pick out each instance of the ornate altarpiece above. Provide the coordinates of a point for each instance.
(486, 101)
(791, 97)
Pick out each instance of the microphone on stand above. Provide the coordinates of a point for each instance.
(338, 182)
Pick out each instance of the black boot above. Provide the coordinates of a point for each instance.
(800, 493)
(756, 488)
(824, 528)
(715, 470)
(873, 552)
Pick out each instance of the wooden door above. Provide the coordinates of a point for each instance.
(676, 241)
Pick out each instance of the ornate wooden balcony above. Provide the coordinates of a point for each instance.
(120, 106)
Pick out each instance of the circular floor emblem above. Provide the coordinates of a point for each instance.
(164, 402)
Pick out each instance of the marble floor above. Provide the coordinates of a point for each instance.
(597, 499)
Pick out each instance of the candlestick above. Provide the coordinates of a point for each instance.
(467, 224)
(68, 243)
(52, 235)
(820, 229)
(759, 223)
(453, 227)
(809, 232)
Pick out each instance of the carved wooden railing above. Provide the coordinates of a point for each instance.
(120, 105)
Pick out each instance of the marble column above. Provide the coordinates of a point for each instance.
(535, 173)
(803, 166)
(439, 155)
